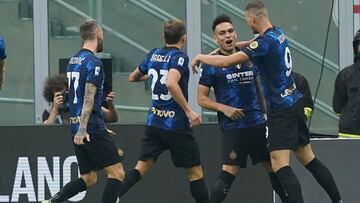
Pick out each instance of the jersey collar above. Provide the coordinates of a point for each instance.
(88, 50)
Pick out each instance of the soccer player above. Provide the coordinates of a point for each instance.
(168, 126)
(2, 61)
(239, 113)
(286, 123)
(94, 147)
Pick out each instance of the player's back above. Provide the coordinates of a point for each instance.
(164, 112)
(84, 67)
(270, 52)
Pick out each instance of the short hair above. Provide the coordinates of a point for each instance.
(88, 30)
(54, 84)
(257, 8)
(221, 19)
(173, 31)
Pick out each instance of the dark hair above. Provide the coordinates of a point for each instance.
(88, 30)
(54, 84)
(356, 42)
(173, 31)
(257, 7)
(221, 19)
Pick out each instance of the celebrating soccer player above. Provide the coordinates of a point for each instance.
(94, 147)
(170, 117)
(238, 94)
(287, 129)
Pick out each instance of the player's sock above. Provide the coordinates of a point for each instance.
(276, 185)
(131, 178)
(323, 176)
(112, 187)
(290, 184)
(221, 187)
(199, 191)
(69, 190)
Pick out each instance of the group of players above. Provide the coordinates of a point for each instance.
(234, 71)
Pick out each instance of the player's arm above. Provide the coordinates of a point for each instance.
(219, 60)
(88, 105)
(260, 96)
(340, 94)
(110, 113)
(205, 102)
(137, 76)
(2, 62)
(243, 43)
(172, 84)
(2, 72)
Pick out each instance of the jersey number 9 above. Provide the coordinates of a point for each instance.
(288, 61)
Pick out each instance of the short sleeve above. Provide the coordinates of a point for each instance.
(95, 73)
(2, 49)
(207, 76)
(259, 47)
(143, 66)
(179, 62)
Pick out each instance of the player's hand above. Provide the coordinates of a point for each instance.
(58, 100)
(79, 137)
(110, 99)
(233, 113)
(195, 64)
(111, 132)
(194, 118)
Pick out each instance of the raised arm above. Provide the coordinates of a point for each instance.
(219, 60)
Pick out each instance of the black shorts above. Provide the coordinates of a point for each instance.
(287, 128)
(97, 154)
(183, 148)
(238, 144)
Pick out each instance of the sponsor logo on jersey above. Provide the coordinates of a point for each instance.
(289, 90)
(244, 77)
(160, 58)
(74, 120)
(162, 113)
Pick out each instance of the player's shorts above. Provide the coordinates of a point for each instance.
(287, 128)
(182, 145)
(97, 154)
(239, 143)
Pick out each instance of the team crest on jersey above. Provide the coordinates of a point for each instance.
(254, 45)
(233, 155)
(181, 61)
(97, 70)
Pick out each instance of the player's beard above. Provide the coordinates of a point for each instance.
(100, 45)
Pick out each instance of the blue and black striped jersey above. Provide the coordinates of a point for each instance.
(84, 67)
(235, 87)
(164, 112)
(2, 49)
(271, 54)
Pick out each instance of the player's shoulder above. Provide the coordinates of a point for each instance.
(2, 43)
(178, 53)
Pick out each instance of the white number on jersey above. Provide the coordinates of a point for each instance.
(73, 76)
(288, 61)
(155, 78)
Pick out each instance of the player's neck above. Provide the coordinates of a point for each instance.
(178, 45)
(227, 52)
(265, 26)
(90, 45)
